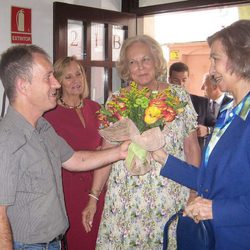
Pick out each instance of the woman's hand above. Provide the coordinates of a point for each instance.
(199, 209)
(88, 214)
(192, 196)
(160, 155)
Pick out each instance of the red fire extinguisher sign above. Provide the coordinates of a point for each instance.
(21, 25)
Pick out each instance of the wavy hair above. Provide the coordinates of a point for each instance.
(236, 42)
(155, 48)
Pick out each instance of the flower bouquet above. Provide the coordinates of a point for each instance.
(139, 115)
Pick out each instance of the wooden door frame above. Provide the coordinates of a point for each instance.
(64, 12)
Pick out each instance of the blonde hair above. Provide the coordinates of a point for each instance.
(155, 48)
(59, 67)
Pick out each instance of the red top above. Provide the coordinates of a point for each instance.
(77, 185)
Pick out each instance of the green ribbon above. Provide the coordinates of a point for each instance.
(135, 150)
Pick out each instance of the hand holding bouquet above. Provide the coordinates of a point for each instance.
(139, 115)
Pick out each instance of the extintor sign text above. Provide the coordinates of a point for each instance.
(21, 25)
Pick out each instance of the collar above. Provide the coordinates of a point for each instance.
(244, 110)
(19, 121)
(220, 99)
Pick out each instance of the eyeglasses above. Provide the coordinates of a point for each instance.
(144, 62)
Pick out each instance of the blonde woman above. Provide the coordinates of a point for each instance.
(137, 207)
(75, 120)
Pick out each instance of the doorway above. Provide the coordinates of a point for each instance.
(183, 35)
(94, 36)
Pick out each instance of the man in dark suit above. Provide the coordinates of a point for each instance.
(216, 100)
(179, 74)
(202, 107)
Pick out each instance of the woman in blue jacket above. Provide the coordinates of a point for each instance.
(223, 179)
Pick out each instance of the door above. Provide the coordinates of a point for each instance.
(95, 37)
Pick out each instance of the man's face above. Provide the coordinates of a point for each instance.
(208, 88)
(179, 78)
(41, 91)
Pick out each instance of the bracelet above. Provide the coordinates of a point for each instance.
(93, 196)
(95, 192)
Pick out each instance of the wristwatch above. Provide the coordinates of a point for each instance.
(209, 130)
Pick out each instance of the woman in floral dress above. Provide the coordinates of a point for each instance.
(137, 207)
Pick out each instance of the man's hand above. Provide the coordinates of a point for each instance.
(5, 230)
(202, 131)
(124, 149)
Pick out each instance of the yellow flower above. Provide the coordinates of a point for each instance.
(152, 114)
(179, 110)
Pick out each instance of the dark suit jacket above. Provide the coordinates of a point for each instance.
(202, 108)
(205, 115)
(226, 181)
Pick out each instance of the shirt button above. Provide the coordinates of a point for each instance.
(231, 114)
(206, 190)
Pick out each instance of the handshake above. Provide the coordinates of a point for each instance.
(159, 155)
(141, 148)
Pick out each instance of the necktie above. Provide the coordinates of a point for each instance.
(214, 108)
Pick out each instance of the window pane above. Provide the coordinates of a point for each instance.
(97, 84)
(75, 39)
(116, 80)
(118, 35)
(97, 42)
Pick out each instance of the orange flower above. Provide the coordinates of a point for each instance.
(147, 109)
(103, 120)
(169, 114)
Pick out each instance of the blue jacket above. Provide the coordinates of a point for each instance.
(226, 181)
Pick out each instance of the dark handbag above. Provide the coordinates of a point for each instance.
(190, 235)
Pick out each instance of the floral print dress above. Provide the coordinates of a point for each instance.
(137, 207)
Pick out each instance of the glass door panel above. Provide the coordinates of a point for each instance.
(118, 36)
(116, 80)
(75, 39)
(98, 41)
(98, 80)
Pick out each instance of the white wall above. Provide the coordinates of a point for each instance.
(144, 3)
(42, 21)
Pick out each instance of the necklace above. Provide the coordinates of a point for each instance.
(78, 106)
(157, 88)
